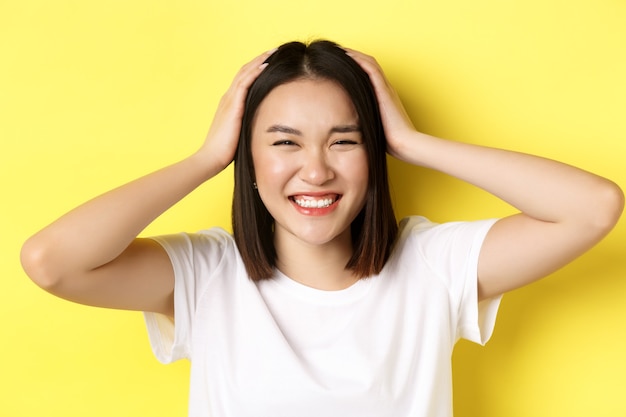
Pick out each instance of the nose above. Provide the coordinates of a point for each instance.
(315, 168)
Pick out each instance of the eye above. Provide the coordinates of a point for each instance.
(345, 144)
(283, 142)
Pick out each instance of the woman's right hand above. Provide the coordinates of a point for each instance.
(221, 142)
(92, 255)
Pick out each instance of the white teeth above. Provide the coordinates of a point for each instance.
(314, 203)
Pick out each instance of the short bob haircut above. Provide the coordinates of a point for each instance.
(374, 229)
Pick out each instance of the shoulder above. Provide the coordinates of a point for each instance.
(209, 246)
(424, 231)
(443, 254)
(437, 243)
(415, 224)
(214, 237)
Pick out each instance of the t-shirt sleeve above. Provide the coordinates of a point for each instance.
(193, 258)
(453, 250)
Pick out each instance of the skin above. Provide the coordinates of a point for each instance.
(92, 254)
(303, 158)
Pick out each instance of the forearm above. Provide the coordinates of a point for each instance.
(540, 188)
(98, 231)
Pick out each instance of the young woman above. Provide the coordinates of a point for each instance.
(320, 304)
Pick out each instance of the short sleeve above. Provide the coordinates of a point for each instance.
(193, 258)
(453, 249)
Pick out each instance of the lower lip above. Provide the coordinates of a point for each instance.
(315, 211)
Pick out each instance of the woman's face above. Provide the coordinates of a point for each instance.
(310, 161)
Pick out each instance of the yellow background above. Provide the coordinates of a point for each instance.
(95, 93)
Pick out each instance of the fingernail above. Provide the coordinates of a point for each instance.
(262, 66)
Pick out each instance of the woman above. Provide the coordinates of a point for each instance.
(320, 304)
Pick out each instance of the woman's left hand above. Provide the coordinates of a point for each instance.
(399, 129)
(564, 210)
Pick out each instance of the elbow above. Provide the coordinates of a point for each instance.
(37, 264)
(607, 207)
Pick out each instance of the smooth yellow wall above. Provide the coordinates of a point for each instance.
(95, 93)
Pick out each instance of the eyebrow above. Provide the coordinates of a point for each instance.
(284, 129)
(292, 131)
(345, 129)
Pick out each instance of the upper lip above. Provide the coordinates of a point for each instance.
(316, 194)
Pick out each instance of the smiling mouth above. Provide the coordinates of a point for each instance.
(309, 202)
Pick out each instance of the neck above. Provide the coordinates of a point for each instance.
(316, 266)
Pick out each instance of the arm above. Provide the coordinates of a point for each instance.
(92, 255)
(564, 210)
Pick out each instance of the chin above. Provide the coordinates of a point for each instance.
(318, 237)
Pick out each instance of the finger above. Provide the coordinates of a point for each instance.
(388, 98)
(258, 63)
(363, 59)
(250, 71)
(373, 70)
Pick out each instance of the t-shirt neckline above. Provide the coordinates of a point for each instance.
(314, 295)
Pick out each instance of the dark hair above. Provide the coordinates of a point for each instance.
(374, 229)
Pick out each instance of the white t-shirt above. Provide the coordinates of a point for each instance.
(277, 348)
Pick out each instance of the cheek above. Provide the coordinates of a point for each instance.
(269, 168)
(359, 176)
(355, 167)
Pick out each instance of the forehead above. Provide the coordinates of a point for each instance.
(307, 101)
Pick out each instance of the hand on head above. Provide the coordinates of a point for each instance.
(223, 136)
(396, 121)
